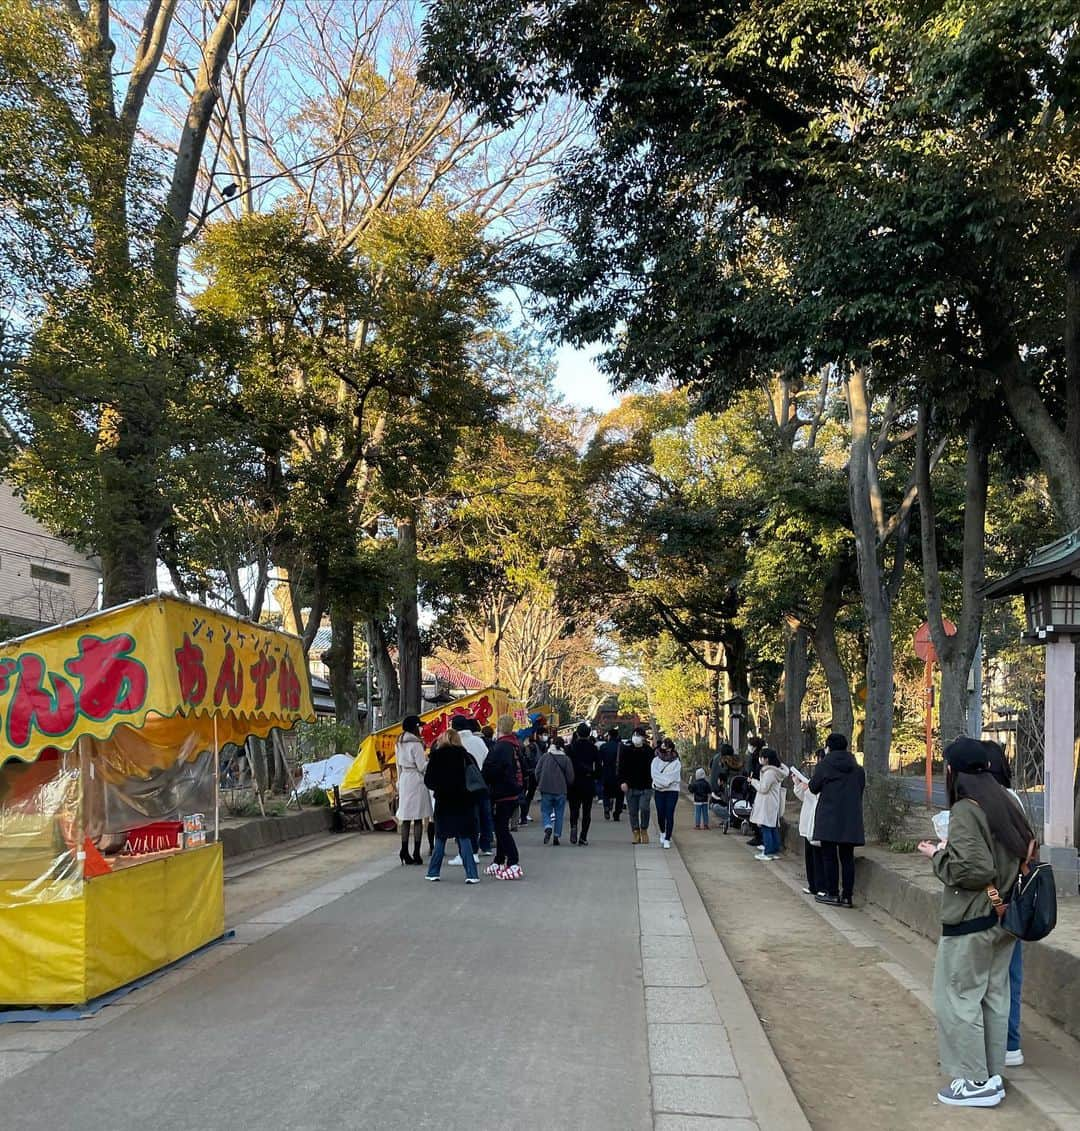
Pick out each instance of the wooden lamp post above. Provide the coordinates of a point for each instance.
(1050, 586)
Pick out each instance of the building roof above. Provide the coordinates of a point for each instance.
(1057, 560)
(455, 677)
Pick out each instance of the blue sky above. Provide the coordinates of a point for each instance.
(578, 380)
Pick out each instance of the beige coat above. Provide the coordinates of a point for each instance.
(414, 801)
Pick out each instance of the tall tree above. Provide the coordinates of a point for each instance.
(97, 385)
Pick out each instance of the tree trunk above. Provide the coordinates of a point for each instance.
(955, 653)
(408, 622)
(340, 659)
(872, 585)
(385, 673)
(796, 671)
(828, 654)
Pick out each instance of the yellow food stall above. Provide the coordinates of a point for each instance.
(377, 750)
(110, 858)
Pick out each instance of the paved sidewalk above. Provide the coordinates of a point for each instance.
(594, 994)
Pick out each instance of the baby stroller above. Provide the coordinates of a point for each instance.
(740, 802)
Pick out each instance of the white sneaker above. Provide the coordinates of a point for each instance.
(476, 859)
(665, 843)
(966, 1093)
(760, 856)
(456, 862)
(1014, 1058)
(997, 1082)
(471, 880)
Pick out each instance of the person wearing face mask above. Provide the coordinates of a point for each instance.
(754, 746)
(666, 772)
(635, 780)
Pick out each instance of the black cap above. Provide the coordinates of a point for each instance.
(967, 756)
(460, 722)
(836, 742)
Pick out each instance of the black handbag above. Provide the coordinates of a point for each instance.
(1031, 913)
(474, 780)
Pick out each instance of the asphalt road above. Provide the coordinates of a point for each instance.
(916, 787)
(401, 1005)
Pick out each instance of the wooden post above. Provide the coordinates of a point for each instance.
(217, 785)
(928, 689)
(1060, 720)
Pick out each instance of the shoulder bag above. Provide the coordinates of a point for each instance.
(1031, 913)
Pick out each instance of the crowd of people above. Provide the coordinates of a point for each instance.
(476, 787)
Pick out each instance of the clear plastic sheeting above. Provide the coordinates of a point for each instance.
(41, 830)
(133, 782)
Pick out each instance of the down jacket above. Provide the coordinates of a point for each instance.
(769, 797)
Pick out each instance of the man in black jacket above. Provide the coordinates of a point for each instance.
(609, 756)
(588, 766)
(635, 780)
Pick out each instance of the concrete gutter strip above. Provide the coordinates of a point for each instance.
(771, 1096)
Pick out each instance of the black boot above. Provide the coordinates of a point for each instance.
(573, 834)
(416, 857)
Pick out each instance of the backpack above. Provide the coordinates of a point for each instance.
(1031, 913)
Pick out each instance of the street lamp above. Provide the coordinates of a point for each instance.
(1050, 586)
(737, 707)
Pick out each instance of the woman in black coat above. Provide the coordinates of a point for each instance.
(455, 807)
(839, 782)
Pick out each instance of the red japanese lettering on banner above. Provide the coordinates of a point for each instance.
(261, 671)
(191, 672)
(230, 680)
(53, 713)
(480, 709)
(288, 685)
(111, 680)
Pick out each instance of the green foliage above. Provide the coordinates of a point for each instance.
(324, 738)
(887, 806)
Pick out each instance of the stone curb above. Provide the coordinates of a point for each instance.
(265, 832)
(1051, 973)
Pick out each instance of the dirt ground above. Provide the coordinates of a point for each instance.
(860, 1051)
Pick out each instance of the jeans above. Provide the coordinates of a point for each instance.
(815, 879)
(701, 814)
(770, 841)
(581, 806)
(831, 869)
(486, 823)
(506, 848)
(666, 800)
(465, 847)
(552, 808)
(1016, 985)
(637, 801)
